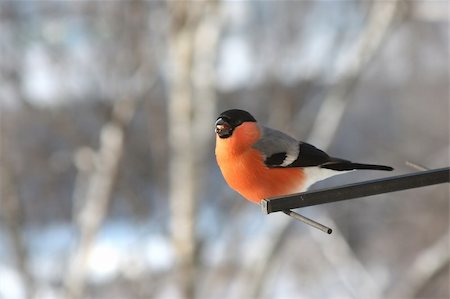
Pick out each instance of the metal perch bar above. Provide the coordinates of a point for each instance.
(373, 187)
(308, 221)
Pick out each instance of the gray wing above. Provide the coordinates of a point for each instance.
(281, 150)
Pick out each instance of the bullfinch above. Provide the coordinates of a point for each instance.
(259, 162)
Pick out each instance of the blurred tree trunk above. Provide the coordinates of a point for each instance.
(12, 213)
(191, 111)
(181, 163)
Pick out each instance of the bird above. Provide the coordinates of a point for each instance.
(259, 162)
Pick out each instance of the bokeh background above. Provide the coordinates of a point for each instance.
(109, 186)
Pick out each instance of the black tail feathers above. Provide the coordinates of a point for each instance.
(344, 165)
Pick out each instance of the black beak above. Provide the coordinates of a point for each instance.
(223, 129)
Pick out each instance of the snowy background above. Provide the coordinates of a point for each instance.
(109, 186)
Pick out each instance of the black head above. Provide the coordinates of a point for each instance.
(230, 119)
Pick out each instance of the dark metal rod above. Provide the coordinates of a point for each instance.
(373, 187)
(308, 221)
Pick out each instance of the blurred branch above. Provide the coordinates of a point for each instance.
(415, 166)
(427, 264)
(98, 170)
(99, 184)
(381, 18)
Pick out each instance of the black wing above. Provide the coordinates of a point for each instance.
(309, 155)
